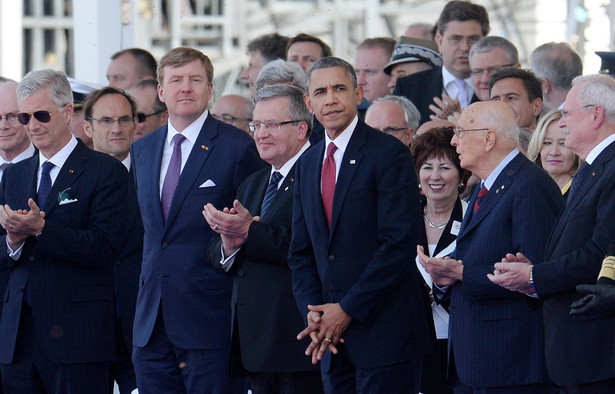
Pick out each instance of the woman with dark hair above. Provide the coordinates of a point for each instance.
(441, 180)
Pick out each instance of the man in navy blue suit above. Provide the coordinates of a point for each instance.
(580, 350)
(110, 121)
(183, 316)
(513, 209)
(61, 210)
(460, 25)
(355, 220)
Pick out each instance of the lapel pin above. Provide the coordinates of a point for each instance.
(286, 188)
(204, 147)
(71, 171)
(593, 174)
(352, 161)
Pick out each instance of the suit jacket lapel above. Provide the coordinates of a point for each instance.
(153, 174)
(348, 167)
(196, 160)
(284, 193)
(69, 172)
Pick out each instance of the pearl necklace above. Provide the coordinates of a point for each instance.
(432, 224)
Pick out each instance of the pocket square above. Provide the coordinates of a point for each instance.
(67, 201)
(64, 198)
(207, 183)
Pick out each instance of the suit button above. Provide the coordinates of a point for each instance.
(31, 258)
(331, 258)
(117, 262)
(164, 245)
(241, 273)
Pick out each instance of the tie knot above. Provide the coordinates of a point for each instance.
(47, 166)
(331, 149)
(6, 165)
(461, 84)
(482, 192)
(178, 139)
(275, 177)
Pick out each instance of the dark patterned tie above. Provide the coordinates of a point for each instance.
(4, 166)
(479, 198)
(172, 176)
(328, 181)
(44, 188)
(272, 189)
(576, 179)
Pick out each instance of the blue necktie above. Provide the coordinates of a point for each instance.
(272, 189)
(44, 187)
(172, 176)
(576, 179)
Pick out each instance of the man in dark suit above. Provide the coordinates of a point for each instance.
(110, 121)
(182, 321)
(61, 210)
(352, 246)
(492, 330)
(579, 350)
(460, 25)
(15, 146)
(253, 246)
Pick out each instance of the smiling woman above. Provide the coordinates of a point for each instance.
(547, 148)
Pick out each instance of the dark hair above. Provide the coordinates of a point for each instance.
(271, 46)
(463, 11)
(96, 95)
(146, 63)
(436, 142)
(531, 84)
(183, 55)
(330, 62)
(159, 106)
(302, 37)
(386, 43)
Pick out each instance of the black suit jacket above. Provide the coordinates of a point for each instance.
(579, 349)
(365, 261)
(265, 316)
(421, 88)
(68, 269)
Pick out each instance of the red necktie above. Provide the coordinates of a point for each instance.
(479, 198)
(328, 181)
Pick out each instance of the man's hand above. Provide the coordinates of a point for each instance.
(20, 224)
(513, 273)
(326, 324)
(600, 302)
(445, 108)
(443, 271)
(232, 225)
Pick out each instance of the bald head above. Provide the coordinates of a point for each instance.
(235, 110)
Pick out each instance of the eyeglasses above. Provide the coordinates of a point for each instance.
(490, 70)
(459, 131)
(568, 112)
(457, 40)
(141, 116)
(11, 118)
(124, 121)
(226, 118)
(41, 116)
(270, 125)
(393, 130)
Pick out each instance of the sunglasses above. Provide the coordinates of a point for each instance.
(41, 116)
(141, 116)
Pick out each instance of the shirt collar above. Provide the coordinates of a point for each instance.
(495, 173)
(59, 158)
(593, 154)
(29, 152)
(341, 141)
(126, 162)
(285, 169)
(191, 132)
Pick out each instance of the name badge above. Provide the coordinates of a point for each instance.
(455, 227)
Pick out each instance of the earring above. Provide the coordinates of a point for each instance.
(420, 186)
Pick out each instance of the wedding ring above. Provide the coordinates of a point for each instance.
(215, 226)
(328, 340)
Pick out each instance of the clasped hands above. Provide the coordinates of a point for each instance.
(513, 273)
(326, 324)
(21, 223)
(231, 223)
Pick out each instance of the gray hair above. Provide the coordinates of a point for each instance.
(297, 110)
(412, 114)
(57, 82)
(281, 71)
(597, 89)
(557, 62)
(330, 62)
(489, 43)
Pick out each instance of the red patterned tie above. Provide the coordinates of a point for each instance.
(479, 198)
(328, 181)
